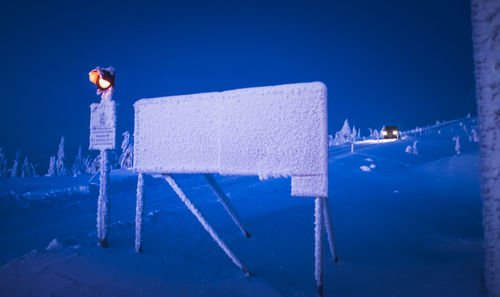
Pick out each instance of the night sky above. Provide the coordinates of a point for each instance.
(398, 62)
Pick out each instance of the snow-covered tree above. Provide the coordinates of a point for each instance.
(14, 171)
(96, 164)
(61, 160)
(89, 165)
(344, 135)
(26, 168)
(127, 156)
(474, 137)
(330, 140)
(34, 172)
(52, 166)
(78, 166)
(485, 32)
(412, 149)
(457, 144)
(113, 159)
(375, 134)
(4, 170)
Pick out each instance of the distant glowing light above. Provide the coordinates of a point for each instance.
(384, 133)
(104, 83)
(394, 132)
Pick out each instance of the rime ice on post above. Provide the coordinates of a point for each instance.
(485, 29)
(225, 202)
(277, 131)
(139, 213)
(102, 138)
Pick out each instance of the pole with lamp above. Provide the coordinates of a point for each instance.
(102, 138)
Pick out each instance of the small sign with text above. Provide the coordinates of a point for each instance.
(102, 125)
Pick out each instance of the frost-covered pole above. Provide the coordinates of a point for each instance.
(318, 243)
(102, 138)
(139, 216)
(329, 229)
(204, 223)
(225, 202)
(102, 203)
(485, 36)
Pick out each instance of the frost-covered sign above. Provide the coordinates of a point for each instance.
(276, 131)
(103, 125)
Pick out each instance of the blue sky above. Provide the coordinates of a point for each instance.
(406, 63)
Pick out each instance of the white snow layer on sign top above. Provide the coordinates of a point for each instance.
(275, 131)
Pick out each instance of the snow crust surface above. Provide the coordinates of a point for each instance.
(411, 227)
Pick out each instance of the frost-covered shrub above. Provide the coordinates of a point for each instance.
(127, 156)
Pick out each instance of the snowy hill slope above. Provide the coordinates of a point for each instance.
(405, 225)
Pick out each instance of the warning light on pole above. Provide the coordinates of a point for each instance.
(104, 78)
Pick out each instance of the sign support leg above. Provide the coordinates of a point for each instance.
(139, 216)
(318, 243)
(102, 202)
(329, 229)
(222, 198)
(170, 180)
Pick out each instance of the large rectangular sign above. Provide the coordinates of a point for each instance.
(276, 131)
(103, 125)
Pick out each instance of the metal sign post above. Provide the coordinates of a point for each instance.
(102, 138)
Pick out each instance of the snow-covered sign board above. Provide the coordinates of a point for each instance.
(276, 131)
(103, 125)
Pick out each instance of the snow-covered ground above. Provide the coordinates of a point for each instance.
(405, 224)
